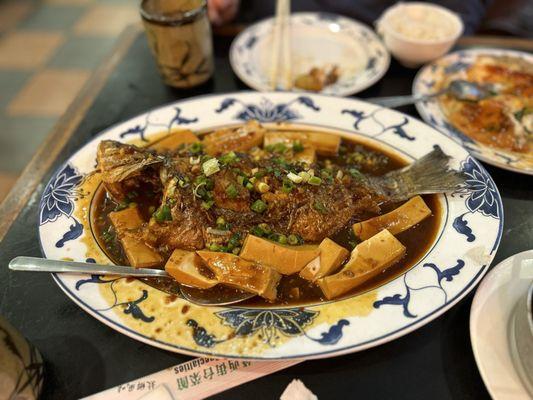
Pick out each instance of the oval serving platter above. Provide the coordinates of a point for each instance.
(428, 79)
(467, 240)
(318, 40)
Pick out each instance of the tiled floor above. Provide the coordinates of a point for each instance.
(48, 49)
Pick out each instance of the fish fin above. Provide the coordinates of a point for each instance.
(429, 174)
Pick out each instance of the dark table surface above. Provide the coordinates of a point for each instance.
(83, 356)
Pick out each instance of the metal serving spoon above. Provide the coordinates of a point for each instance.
(460, 89)
(222, 296)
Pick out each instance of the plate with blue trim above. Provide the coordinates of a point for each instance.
(455, 65)
(466, 239)
(318, 40)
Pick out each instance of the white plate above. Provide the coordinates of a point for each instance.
(431, 74)
(468, 237)
(490, 319)
(317, 40)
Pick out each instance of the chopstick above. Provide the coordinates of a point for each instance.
(281, 48)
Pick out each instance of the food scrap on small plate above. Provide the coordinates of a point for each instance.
(317, 78)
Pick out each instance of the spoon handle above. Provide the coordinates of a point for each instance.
(397, 101)
(35, 264)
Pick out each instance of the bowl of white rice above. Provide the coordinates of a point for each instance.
(417, 33)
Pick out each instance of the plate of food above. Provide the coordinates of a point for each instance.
(498, 128)
(328, 210)
(330, 54)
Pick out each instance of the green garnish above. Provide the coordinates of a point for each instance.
(278, 148)
(282, 239)
(249, 186)
(163, 214)
(293, 239)
(297, 147)
(196, 148)
(241, 179)
(229, 158)
(232, 191)
(262, 187)
(354, 172)
(257, 231)
(320, 207)
(259, 206)
(265, 228)
(234, 241)
(206, 205)
(213, 247)
(522, 113)
(315, 181)
(210, 167)
(287, 185)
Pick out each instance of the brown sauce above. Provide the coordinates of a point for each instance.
(417, 240)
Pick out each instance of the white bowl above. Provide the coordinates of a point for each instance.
(416, 33)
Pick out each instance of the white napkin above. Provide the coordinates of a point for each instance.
(296, 390)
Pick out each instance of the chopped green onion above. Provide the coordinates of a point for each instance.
(295, 178)
(282, 239)
(265, 228)
(287, 185)
(249, 186)
(279, 148)
(354, 172)
(320, 207)
(234, 241)
(259, 206)
(304, 175)
(232, 191)
(236, 251)
(241, 179)
(206, 205)
(163, 214)
(257, 231)
(210, 167)
(262, 187)
(297, 147)
(229, 158)
(293, 240)
(315, 181)
(340, 174)
(213, 247)
(194, 160)
(221, 221)
(196, 148)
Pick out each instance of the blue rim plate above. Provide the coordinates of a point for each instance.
(469, 235)
(429, 77)
(318, 40)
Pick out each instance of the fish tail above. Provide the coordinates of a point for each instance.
(429, 174)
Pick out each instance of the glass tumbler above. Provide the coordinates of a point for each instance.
(179, 35)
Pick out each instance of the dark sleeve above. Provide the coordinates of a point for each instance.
(471, 11)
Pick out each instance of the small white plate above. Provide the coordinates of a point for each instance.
(317, 40)
(490, 319)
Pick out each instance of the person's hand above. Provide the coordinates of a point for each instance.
(221, 12)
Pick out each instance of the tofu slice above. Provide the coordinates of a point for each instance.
(396, 221)
(286, 260)
(326, 144)
(138, 253)
(368, 259)
(246, 275)
(185, 267)
(331, 257)
(238, 139)
(174, 140)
